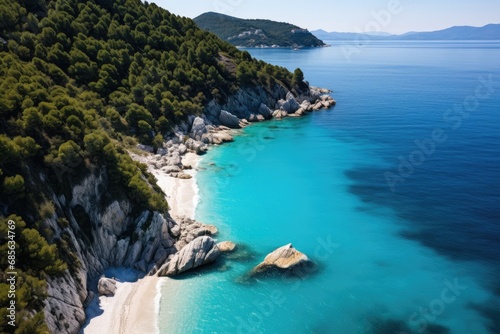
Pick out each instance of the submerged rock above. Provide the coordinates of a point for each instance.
(226, 246)
(198, 252)
(106, 286)
(285, 258)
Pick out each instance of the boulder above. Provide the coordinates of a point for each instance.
(182, 149)
(280, 113)
(106, 286)
(229, 120)
(162, 151)
(184, 176)
(285, 258)
(198, 129)
(203, 230)
(280, 104)
(196, 146)
(300, 112)
(171, 169)
(306, 105)
(198, 252)
(219, 138)
(318, 106)
(265, 111)
(244, 123)
(226, 246)
(291, 105)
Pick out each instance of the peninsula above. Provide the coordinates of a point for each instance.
(257, 33)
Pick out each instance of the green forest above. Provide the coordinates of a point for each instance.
(273, 33)
(81, 82)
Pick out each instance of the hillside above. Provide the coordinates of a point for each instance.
(82, 83)
(256, 33)
(488, 32)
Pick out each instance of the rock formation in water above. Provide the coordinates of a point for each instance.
(226, 246)
(200, 251)
(285, 258)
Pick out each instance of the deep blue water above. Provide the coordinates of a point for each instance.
(394, 193)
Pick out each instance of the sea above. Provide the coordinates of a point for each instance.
(394, 194)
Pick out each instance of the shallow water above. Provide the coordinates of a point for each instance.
(413, 250)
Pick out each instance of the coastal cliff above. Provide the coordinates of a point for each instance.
(115, 236)
(85, 86)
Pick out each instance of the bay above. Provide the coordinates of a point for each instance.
(394, 193)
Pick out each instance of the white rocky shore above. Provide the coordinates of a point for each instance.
(133, 307)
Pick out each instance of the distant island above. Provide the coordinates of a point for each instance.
(488, 32)
(257, 33)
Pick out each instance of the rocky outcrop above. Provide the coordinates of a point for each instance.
(100, 234)
(198, 252)
(285, 258)
(105, 232)
(198, 129)
(106, 286)
(229, 120)
(226, 246)
(189, 229)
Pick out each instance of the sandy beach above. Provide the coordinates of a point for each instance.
(134, 307)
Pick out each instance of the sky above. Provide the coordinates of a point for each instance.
(393, 16)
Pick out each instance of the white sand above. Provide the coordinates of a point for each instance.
(182, 195)
(134, 308)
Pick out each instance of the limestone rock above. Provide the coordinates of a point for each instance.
(171, 169)
(198, 252)
(280, 114)
(198, 128)
(229, 120)
(265, 111)
(300, 112)
(318, 106)
(253, 118)
(219, 138)
(106, 286)
(201, 231)
(162, 151)
(114, 217)
(184, 176)
(226, 246)
(280, 104)
(306, 105)
(196, 145)
(284, 258)
(291, 105)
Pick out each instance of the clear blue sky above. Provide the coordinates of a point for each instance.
(352, 15)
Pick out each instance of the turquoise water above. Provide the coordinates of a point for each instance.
(414, 250)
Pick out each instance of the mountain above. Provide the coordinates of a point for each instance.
(346, 36)
(488, 32)
(256, 33)
(86, 86)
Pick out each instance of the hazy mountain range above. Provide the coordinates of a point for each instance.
(488, 32)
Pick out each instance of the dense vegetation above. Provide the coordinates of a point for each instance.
(81, 82)
(254, 33)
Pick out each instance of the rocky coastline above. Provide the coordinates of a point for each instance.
(151, 242)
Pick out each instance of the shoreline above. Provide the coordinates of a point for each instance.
(135, 306)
